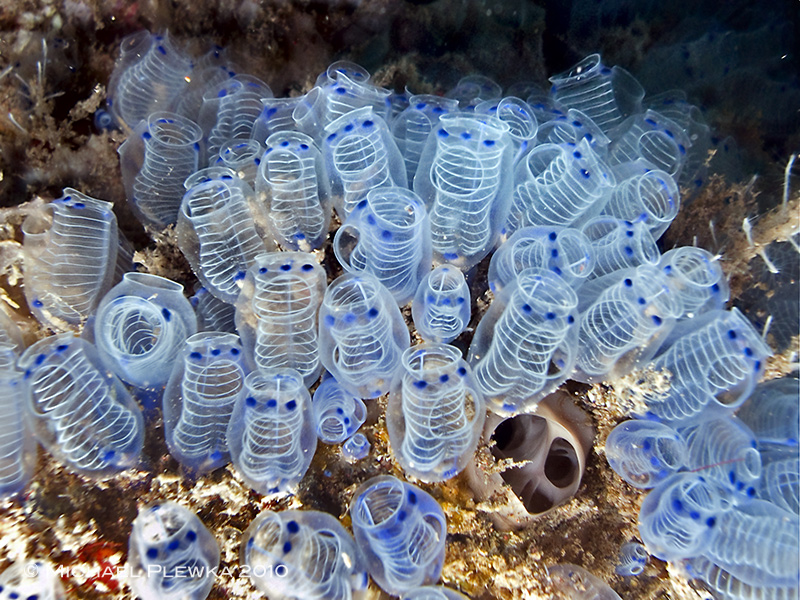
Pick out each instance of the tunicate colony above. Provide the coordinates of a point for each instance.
(567, 190)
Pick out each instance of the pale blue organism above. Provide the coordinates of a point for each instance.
(79, 412)
(571, 127)
(212, 313)
(606, 95)
(726, 586)
(360, 155)
(292, 182)
(171, 554)
(772, 411)
(356, 448)
(780, 478)
(361, 334)
(654, 138)
(633, 558)
(435, 413)
(411, 127)
(441, 309)
(303, 555)
(149, 75)
(759, 543)
(644, 194)
(576, 583)
(725, 450)
(17, 444)
(565, 251)
(209, 72)
(140, 327)
(520, 118)
(624, 322)
(387, 235)
(218, 232)
(31, 580)
(155, 160)
(346, 86)
(70, 255)
(525, 345)
(338, 413)
(679, 516)
(644, 453)
(271, 433)
(464, 178)
(206, 382)
(697, 276)
(559, 185)
(241, 156)
(276, 115)
(230, 110)
(471, 90)
(401, 531)
(276, 313)
(618, 245)
(433, 592)
(714, 364)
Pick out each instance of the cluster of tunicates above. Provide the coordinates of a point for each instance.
(724, 487)
(568, 191)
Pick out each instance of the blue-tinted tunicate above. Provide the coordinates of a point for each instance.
(79, 411)
(271, 433)
(725, 450)
(293, 184)
(206, 382)
(218, 234)
(411, 127)
(726, 586)
(525, 345)
(401, 531)
(360, 155)
(150, 73)
(645, 453)
(361, 334)
(633, 558)
(356, 448)
(780, 478)
(606, 95)
(758, 543)
(171, 554)
(212, 313)
(17, 445)
(572, 127)
(388, 235)
(70, 254)
(619, 245)
(337, 412)
(646, 195)
(464, 178)
(697, 276)
(441, 308)
(140, 327)
(520, 118)
(623, 326)
(276, 313)
(26, 580)
(563, 250)
(302, 555)
(243, 157)
(435, 413)
(772, 411)
(677, 518)
(230, 109)
(471, 90)
(654, 138)
(714, 365)
(155, 160)
(559, 185)
(345, 87)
